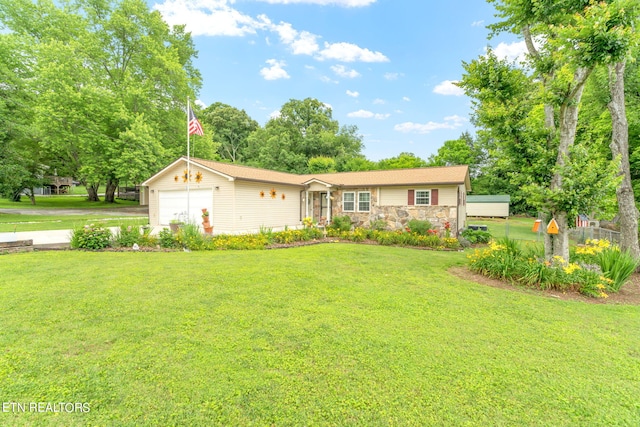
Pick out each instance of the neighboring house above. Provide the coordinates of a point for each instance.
(245, 199)
(488, 205)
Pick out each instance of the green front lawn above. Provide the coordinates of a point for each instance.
(18, 222)
(332, 334)
(515, 227)
(64, 202)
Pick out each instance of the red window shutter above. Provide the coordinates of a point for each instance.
(434, 197)
(411, 199)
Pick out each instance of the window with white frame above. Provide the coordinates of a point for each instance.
(423, 197)
(364, 201)
(349, 202)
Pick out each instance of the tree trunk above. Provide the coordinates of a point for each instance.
(32, 196)
(110, 191)
(568, 125)
(92, 192)
(627, 210)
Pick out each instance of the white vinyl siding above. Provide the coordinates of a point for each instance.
(364, 201)
(349, 202)
(253, 212)
(397, 196)
(422, 197)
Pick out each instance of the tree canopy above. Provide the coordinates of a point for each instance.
(112, 81)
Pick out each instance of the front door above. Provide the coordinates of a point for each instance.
(318, 206)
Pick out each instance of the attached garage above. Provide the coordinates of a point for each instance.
(174, 204)
(496, 205)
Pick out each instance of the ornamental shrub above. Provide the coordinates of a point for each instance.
(476, 236)
(167, 239)
(190, 237)
(341, 223)
(126, 236)
(420, 227)
(90, 237)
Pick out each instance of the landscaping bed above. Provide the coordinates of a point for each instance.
(628, 295)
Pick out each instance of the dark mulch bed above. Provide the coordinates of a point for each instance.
(629, 294)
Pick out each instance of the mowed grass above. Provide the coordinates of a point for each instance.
(332, 334)
(64, 202)
(515, 227)
(20, 222)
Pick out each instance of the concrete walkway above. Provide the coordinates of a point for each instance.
(58, 238)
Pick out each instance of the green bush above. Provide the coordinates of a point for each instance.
(476, 236)
(420, 227)
(190, 237)
(616, 266)
(341, 223)
(126, 236)
(90, 237)
(378, 225)
(167, 239)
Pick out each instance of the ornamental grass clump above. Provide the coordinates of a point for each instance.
(617, 266)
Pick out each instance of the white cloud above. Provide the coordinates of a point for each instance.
(364, 114)
(515, 51)
(456, 119)
(406, 99)
(379, 101)
(391, 76)
(200, 103)
(349, 52)
(301, 43)
(275, 71)
(275, 114)
(218, 18)
(477, 23)
(343, 3)
(353, 94)
(448, 88)
(327, 79)
(345, 72)
(207, 17)
(450, 122)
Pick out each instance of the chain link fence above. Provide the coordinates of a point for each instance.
(581, 234)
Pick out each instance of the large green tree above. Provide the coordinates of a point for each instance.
(112, 81)
(304, 129)
(403, 160)
(461, 151)
(231, 129)
(21, 163)
(566, 41)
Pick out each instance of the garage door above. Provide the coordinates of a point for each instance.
(173, 205)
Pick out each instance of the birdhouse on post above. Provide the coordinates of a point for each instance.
(536, 225)
(552, 227)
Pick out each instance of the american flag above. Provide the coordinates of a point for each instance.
(582, 221)
(195, 128)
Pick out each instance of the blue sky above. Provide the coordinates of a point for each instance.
(385, 66)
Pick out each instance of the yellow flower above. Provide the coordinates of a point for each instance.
(559, 259)
(570, 268)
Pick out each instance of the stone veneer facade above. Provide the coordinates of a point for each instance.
(396, 217)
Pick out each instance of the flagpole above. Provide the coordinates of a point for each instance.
(188, 162)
